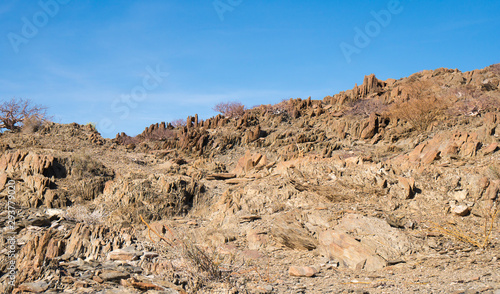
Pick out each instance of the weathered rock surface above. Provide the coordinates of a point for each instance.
(353, 254)
(302, 196)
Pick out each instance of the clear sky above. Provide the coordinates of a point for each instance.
(127, 64)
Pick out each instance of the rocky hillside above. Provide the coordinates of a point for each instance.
(390, 187)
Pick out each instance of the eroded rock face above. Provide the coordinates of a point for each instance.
(36, 256)
(371, 129)
(164, 196)
(35, 172)
(370, 245)
(249, 163)
(39, 175)
(30, 163)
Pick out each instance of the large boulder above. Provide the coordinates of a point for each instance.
(378, 245)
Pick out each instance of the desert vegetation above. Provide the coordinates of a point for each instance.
(231, 109)
(17, 112)
(178, 122)
(421, 107)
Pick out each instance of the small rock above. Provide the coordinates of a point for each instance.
(430, 156)
(491, 148)
(249, 218)
(262, 289)
(111, 275)
(461, 210)
(252, 254)
(192, 223)
(124, 254)
(302, 271)
(408, 184)
(149, 255)
(144, 286)
(220, 176)
(483, 183)
(38, 222)
(36, 287)
(461, 195)
(54, 212)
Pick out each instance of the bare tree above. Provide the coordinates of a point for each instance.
(230, 109)
(178, 123)
(17, 110)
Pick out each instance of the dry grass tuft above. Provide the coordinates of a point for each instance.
(476, 240)
(32, 124)
(205, 262)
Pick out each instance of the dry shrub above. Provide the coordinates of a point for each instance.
(472, 101)
(205, 261)
(284, 107)
(365, 107)
(32, 124)
(206, 266)
(422, 107)
(481, 240)
(494, 171)
(178, 122)
(230, 109)
(203, 266)
(92, 126)
(82, 214)
(84, 166)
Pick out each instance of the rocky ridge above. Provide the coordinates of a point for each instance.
(306, 196)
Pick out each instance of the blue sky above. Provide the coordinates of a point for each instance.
(127, 64)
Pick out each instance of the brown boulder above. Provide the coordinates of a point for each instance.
(388, 242)
(408, 185)
(491, 148)
(371, 129)
(353, 254)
